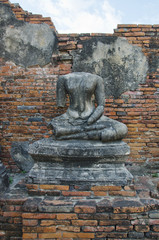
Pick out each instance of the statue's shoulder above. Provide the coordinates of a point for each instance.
(79, 75)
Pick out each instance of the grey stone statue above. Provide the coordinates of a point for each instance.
(83, 149)
(84, 117)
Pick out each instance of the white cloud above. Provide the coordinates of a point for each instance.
(76, 16)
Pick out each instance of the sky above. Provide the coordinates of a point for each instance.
(93, 16)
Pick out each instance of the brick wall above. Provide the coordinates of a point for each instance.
(91, 221)
(27, 16)
(27, 99)
(11, 218)
(78, 219)
(142, 112)
(27, 96)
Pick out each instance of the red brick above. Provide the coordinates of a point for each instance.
(32, 186)
(50, 235)
(30, 222)
(124, 228)
(145, 26)
(68, 47)
(123, 193)
(84, 222)
(112, 235)
(156, 228)
(106, 188)
(12, 214)
(136, 29)
(129, 209)
(39, 215)
(128, 188)
(55, 187)
(51, 229)
(76, 193)
(84, 209)
(99, 193)
(78, 235)
(68, 228)
(67, 216)
(30, 235)
(142, 228)
(54, 222)
(127, 25)
(136, 34)
(46, 222)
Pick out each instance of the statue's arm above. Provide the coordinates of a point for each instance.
(100, 99)
(61, 92)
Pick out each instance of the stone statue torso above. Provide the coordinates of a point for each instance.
(84, 120)
(80, 94)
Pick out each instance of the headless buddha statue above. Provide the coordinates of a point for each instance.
(84, 117)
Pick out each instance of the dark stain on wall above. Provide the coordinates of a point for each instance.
(122, 66)
(24, 43)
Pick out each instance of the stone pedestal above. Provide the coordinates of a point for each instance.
(79, 162)
(98, 174)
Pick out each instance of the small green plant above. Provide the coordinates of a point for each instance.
(155, 175)
(23, 171)
(10, 180)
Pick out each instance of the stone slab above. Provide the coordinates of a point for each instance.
(19, 153)
(79, 162)
(98, 174)
(79, 151)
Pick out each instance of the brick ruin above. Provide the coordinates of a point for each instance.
(27, 97)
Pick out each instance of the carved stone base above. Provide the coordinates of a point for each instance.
(79, 162)
(98, 174)
(79, 151)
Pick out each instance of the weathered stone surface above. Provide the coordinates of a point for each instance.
(49, 206)
(4, 179)
(80, 162)
(126, 203)
(19, 153)
(79, 151)
(23, 43)
(136, 235)
(122, 66)
(55, 173)
(31, 205)
(154, 214)
(104, 206)
(153, 62)
(154, 58)
(84, 120)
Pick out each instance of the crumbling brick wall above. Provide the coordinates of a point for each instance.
(27, 95)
